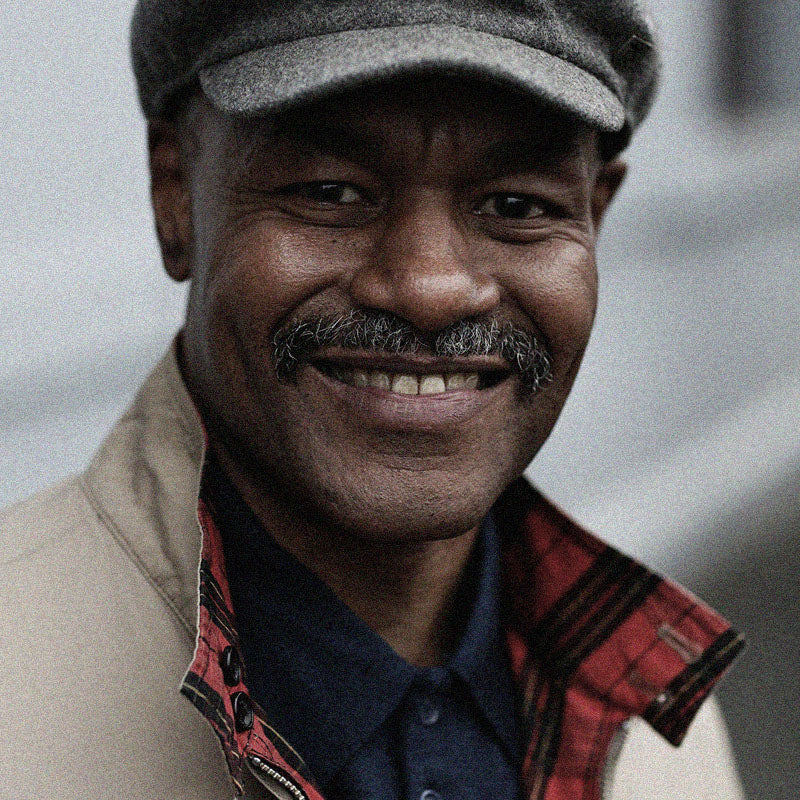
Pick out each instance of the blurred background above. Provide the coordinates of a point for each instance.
(681, 442)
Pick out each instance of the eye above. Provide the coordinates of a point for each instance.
(510, 206)
(327, 193)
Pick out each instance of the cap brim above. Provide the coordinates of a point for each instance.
(274, 78)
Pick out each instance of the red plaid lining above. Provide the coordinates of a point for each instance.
(594, 638)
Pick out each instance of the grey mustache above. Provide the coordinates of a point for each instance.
(525, 354)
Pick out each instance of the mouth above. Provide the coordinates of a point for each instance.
(412, 375)
(410, 393)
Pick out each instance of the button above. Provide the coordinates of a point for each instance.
(242, 712)
(429, 711)
(231, 666)
(429, 794)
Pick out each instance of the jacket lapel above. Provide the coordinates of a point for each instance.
(596, 638)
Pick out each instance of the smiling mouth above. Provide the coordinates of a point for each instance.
(410, 379)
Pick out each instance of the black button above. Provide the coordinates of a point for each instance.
(242, 712)
(231, 666)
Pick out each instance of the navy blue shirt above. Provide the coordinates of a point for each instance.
(368, 724)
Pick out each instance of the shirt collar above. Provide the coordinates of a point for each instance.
(322, 676)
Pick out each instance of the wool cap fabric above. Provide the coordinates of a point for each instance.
(593, 59)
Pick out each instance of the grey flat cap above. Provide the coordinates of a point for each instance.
(593, 59)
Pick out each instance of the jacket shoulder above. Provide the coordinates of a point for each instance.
(702, 768)
(92, 663)
(42, 520)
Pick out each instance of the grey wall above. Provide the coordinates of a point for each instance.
(84, 306)
(680, 443)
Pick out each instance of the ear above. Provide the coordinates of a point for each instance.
(171, 199)
(609, 179)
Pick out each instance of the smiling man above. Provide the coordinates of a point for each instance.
(388, 218)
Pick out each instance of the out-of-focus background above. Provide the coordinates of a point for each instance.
(681, 443)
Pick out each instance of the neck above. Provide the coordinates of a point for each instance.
(407, 592)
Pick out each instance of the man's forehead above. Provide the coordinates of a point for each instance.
(406, 120)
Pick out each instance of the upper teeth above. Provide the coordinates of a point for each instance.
(405, 383)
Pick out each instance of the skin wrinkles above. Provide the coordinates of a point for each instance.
(417, 225)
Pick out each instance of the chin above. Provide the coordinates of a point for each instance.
(426, 509)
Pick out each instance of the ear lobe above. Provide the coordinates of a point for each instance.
(608, 181)
(171, 199)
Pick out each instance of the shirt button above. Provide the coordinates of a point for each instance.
(429, 794)
(231, 666)
(242, 712)
(429, 712)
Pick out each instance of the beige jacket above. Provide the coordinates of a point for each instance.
(98, 591)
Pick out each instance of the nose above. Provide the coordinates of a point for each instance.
(420, 268)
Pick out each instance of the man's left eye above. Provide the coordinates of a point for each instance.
(324, 193)
(510, 206)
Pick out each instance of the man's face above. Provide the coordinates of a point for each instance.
(424, 259)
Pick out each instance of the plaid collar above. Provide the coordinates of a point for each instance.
(594, 637)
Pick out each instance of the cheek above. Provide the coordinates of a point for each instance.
(556, 286)
(263, 270)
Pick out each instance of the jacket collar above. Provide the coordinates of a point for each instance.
(594, 637)
(146, 476)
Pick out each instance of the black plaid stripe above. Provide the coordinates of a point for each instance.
(292, 759)
(211, 705)
(211, 598)
(542, 729)
(685, 692)
(219, 622)
(537, 685)
(627, 586)
(628, 596)
(547, 739)
(610, 569)
(212, 587)
(595, 766)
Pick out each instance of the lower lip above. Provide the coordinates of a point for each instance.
(399, 412)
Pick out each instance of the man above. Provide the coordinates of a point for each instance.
(388, 216)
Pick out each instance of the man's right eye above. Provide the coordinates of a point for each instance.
(327, 193)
